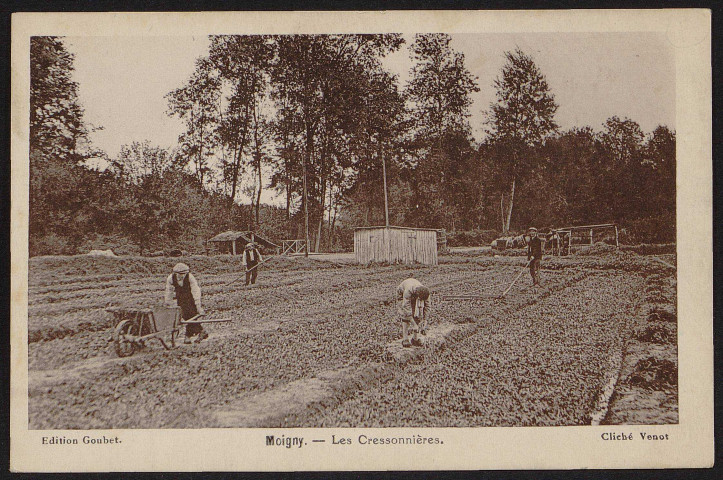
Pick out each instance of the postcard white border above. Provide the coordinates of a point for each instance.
(691, 443)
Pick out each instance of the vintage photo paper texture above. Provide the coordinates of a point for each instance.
(263, 241)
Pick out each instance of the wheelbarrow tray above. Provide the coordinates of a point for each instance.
(138, 325)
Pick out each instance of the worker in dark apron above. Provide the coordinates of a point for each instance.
(182, 286)
(251, 259)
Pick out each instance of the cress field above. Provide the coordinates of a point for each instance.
(316, 343)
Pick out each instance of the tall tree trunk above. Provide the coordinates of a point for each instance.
(258, 194)
(331, 206)
(288, 187)
(502, 211)
(307, 160)
(257, 158)
(241, 142)
(288, 201)
(332, 229)
(234, 172)
(322, 204)
(509, 207)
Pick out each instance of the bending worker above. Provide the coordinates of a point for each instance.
(251, 259)
(534, 255)
(182, 286)
(414, 302)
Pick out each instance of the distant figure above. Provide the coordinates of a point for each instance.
(534, 255)
(413, 298)
(554, 240)
(251, 259)
(565, 244)
(182, 286)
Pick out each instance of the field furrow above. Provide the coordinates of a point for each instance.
(326, 335)
(544, 365)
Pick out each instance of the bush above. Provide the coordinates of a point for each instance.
(660, 333)
(119, 245)
(654, 373)
(50, 244)
(471, 238)
(655, 229)
(661, 315)
(599, 248)
(650, 248)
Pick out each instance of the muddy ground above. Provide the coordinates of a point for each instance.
(317, 343)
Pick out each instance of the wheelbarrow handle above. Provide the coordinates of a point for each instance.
(193, 318)
(213, 320)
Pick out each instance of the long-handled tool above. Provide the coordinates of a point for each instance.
(516, 278)
(472, 297)
(193, 320)
(258, 265)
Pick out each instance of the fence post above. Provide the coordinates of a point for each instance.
(616, 237)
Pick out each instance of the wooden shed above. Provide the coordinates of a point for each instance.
(395, 245)
(234, 242)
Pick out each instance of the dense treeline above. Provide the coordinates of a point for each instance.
(316, 119)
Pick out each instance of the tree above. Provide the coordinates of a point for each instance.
(197, 103)
(440, 96)
(317, 77)
(440, 87)
(521, 119)
(623, 140)
(58, 140)
(57, 128)
(243, 62)
(659, 156)
(140, 160)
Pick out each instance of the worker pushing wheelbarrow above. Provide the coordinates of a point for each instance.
(182, 308)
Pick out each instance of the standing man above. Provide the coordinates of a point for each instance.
(413, 306)
(555, 242)
(182, 286)
(252, 258)
(534, 255)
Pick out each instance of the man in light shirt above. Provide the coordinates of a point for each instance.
(182, 286)
(413, 306)
(251, 259)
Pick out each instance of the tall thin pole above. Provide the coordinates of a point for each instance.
(384, 172)
(306, 215)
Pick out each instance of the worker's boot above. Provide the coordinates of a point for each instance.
(186, 340)
(202, 335)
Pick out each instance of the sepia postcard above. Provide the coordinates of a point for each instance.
(401, 240)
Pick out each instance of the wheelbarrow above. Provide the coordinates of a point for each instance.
(137, 325)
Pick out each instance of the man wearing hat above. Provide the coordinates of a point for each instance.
(534, 255)
(182, 286)
(251, 259)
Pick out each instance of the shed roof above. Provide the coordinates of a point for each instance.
(232, 235)
(398, 228)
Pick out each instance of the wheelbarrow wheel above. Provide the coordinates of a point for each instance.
(123, 346)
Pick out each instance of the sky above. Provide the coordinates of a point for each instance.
(122, 81)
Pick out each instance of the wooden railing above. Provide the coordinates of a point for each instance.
(293, 246)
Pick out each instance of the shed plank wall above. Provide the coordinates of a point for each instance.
(395, 245)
